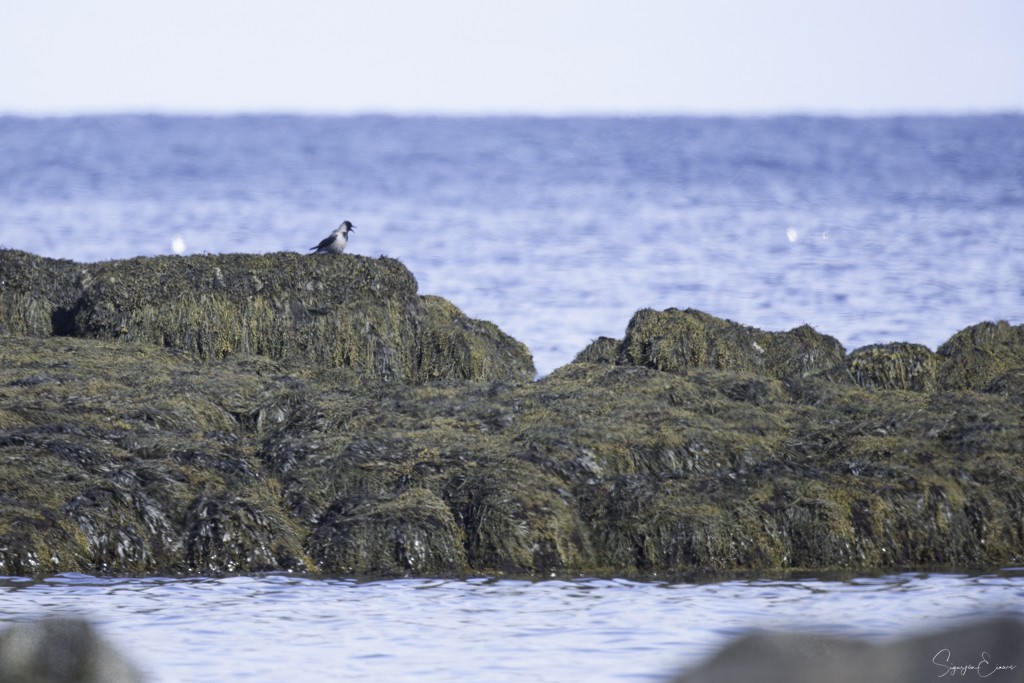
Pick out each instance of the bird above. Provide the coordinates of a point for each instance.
(336, 241)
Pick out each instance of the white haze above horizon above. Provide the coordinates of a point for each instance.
(527, 57)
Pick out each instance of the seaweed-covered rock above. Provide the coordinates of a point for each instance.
(899, 365)
(518, 519)
(340, 311)
(37, 294)
(344, 311)
(124, 528)
(227, 533)
(978, 355)
(454, 346)
(128, 457)
(800, 351)
(674, 340)
(412, 533)
(1010, 383)
(107, 451)
(601, 350)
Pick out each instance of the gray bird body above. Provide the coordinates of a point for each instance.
(336, 241)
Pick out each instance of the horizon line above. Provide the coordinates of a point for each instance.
(568, 113)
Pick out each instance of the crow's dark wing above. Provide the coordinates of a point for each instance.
(325, 243)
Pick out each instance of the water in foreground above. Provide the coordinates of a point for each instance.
(279, 627)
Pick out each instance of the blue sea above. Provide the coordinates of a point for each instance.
(556, 229)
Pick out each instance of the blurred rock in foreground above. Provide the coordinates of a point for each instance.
(991, 650)
(58, 650)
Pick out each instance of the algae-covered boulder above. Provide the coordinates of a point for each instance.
(799, 351)
(674, 340)
(341, 311)
(978, 355)
(347, 311)
(1010, 383)
(124, 457)
(899, 365)
(518, 518)
(453, 346)
(414, 532)
(424, 479)
(601, 350)
(689, 472)
(37, 294)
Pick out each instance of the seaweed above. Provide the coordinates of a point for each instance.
(186, 434)
(346, 311)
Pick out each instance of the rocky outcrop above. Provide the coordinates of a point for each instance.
(674, 340)
(339, 311)
(128, 458)
(982, 356)
(316, 414)
(977, 358)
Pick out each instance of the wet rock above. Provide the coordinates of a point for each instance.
(518, 519)
(988, 649)
(135, 459)
(227, 533)
(101, 467)
(413, 533)
(123, 527)
(58, 650)
(345, 311)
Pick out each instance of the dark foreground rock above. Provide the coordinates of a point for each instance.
(989, 649)
(408, 442)
(57, 650)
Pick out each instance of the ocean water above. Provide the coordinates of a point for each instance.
(285, 628)
(558, 229)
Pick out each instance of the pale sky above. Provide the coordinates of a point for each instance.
(514, 56)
